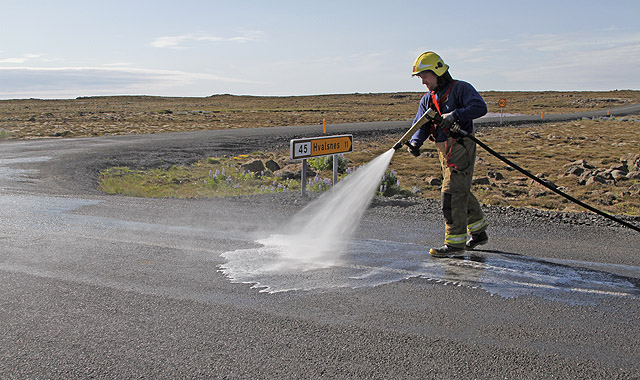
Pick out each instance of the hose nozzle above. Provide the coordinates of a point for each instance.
(428, 116)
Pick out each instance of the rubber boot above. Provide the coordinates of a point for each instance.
(446, 251)
(476, 240)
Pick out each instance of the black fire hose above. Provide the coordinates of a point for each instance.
(552, 188)
(431, 116)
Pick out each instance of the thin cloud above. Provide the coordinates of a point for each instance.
(178, 42)
(547, 42)
(168, 42)
(576, 41)
(24, 58)
(13, 60)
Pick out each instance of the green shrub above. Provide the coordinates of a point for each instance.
(390, 185)
(319, 184)
(326, 163)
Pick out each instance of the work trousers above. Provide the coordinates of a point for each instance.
(461, 209)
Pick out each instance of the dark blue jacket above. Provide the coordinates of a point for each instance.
(464, 102)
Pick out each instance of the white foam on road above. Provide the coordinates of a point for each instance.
(369, 263)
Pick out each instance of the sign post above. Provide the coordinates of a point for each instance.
(502, 103)
(301, 149)
(320, 146)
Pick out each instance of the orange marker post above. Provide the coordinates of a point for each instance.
(324, 125)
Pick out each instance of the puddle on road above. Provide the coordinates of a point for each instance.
(35, 216)
(14, 174)
(369, 263)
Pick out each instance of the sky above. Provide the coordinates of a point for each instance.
(196, 48)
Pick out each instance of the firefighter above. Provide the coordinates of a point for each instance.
(459, 104)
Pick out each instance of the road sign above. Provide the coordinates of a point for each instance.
(320, 146)
(502, 102)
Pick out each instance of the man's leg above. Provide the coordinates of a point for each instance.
(456, 187)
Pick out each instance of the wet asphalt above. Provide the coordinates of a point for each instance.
(98, 286)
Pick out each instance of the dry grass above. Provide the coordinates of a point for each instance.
(97, 116)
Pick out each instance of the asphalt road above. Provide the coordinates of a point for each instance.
(97, 286)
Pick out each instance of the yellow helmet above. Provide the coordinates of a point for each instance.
(430, 61)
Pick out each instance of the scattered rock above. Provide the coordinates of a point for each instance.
(522, 182)
(619, 167)
(598, 178)
(542, 176)
(578, 168)
(272, 165)
(575, 171)
(433, 181)
(481, 181)
(607, 199)
(633, 174)
(293, 171)
(287, 174)
(631, 161)
(495, 175)
(255, 166)
(618, 174)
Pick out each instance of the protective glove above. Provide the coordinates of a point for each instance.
(413, 149)
(455, 128)
(447, 122)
